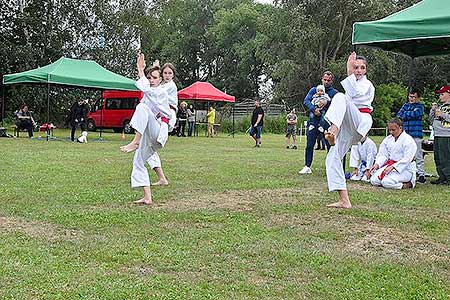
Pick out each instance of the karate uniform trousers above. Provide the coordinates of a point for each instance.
(352, 124)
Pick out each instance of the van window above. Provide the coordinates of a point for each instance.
(121, 103)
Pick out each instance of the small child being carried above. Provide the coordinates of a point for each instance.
(321, 100)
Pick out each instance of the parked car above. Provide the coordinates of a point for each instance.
(114, 110)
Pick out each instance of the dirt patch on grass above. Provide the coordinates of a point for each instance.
(340, 233)
(39, 230)
(372, 238)
(242, 200)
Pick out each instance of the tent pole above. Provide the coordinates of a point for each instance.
(3, 104)
(411, 74)
(48, 110)
(233, 119)
(101, 117)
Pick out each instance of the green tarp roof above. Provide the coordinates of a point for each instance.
(74, 72)
(419, 30)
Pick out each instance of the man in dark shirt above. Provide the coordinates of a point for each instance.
(314, 120)
(257, 123)
(78, 114)
(24, 120)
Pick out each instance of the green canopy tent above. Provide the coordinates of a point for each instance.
(73, 72)
(420, 30)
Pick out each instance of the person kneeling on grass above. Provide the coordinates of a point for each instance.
(394, 166)
(151, 123)
(362, 158)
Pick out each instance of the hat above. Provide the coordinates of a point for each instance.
(444, 89)
(320, 87)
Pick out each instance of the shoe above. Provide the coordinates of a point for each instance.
(439, 181)
(421, 179)
(305, 170)
(294, 147)
(365, 179)
(316, 148)
(355, 177)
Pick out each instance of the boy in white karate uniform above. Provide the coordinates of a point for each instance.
(394, 167)
(350, 120)
(151, 123)
(362, 158)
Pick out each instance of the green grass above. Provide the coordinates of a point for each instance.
(235, 223)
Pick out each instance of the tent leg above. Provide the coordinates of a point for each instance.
(48, 109)
(411, 74)
(233, 119)
(3, 104)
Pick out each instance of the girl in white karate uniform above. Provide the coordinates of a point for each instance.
(151, 123)
(168, 72)
(394, 167)
(350, 118)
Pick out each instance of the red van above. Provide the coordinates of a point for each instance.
(114, 110)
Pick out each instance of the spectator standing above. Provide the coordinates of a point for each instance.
(440, 116)
(257, 123)
(315, 115)
(291, 129)
(211, 117)
(411, 114)
(78, 115)
(182, 118)
(191, 119)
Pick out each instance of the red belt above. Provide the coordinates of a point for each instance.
(390, 162)
(173, 107)
(165, 120)
(365, 110)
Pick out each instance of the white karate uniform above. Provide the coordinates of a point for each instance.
(154, 161)
(147, 121)
(366, 152)
(353, 125)
(403, 151)
(171, 89)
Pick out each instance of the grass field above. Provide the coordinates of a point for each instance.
(235, 223)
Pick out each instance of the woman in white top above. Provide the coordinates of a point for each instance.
(168, 73)
(350, 117)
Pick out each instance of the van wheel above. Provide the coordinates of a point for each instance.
(127, 127)
(91, 125)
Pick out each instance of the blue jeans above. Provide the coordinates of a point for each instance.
(256, 131)
(311, 136)
(190, 127)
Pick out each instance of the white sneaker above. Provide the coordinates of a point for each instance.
(355, 177)
(365, 179)
(305, 170)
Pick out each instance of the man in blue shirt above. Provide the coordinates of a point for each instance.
(411, 114)
(314, 119)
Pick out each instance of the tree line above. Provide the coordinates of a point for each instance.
(251, 50)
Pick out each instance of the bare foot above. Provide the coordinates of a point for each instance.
(161, 182)
(340, 204)
(407, 185)
(130, 147)
(143, 201)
